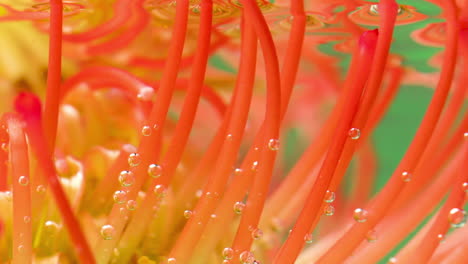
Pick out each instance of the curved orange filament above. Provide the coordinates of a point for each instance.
(19, 160)
(441, 224)
(150, 146)
(379, 206)
(240, 182)
(389, 11)
(29, 106)
(443, 129)
(54, 73)
(233, 125)
(3, 157)
(243, 93)
(313, 154)
(269, 131)
(453, 250)
(311, 212)
(414, 211)
(183, 128)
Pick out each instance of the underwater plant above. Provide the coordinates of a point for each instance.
(233, 131)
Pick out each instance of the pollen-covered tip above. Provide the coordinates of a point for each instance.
(368, 39)
(28, 105)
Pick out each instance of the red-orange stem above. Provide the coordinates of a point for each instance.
(380, 205)
(29, 106)
(311, 212)
(54, 73)
(19, 160)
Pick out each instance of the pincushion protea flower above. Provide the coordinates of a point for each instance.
(128, 152)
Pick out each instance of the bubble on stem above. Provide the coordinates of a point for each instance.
(107, 232)
(457, 217)
(354, 133)
(329, 197)
(155, 170)
(120, 196)
(134, 159)
(360, 215)
(329, 210)
(238, 207)
(228, 253)
(126, 178)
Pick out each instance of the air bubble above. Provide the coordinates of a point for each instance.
(134, 159)
(329, 197)
(145, 94)
(21, 249)
(107, 232)
(273, 144)
(131, 205)
(239, 207)
(360, 215)
(257, 233)
(354, 133)
(5, 147)
(212, 195)
(51, 227)
(228, 253)
(329, 210)
(188, 214)
(27, 219)
(465, 186)
(229, 137)
(254, 166)
(159, 190)
(120, 197)
(146, 131)
(126, 178)
(441, 238)
(154, 170)
(457, 217)
(406, 176)
(308, 238)
(237, 171)
(23, 180)
(246, 257)
(171, 261)
(371, 236)
(41, 189)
